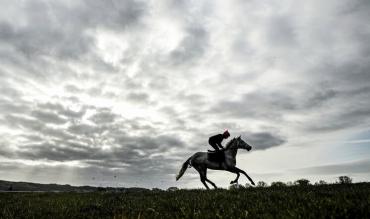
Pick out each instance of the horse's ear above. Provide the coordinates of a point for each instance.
(239, 136)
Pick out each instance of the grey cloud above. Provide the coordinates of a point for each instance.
(114, 14)
(72, 89)
(43, 35)
(263, 140)
(10, 99)
(138, 96)
(8, 92)
(84, 142)
(281, 31)
(169, 111)
(63, 110)
(131, 83)
(257, 104)
(160, 82)
(318, 97)
(361, 166)
(85, 129)
(192, 99)
(326, 99)
(192, 47)
(355, 117)
(55, 133)
(48, 117)
(346, 109)
(151, 143)
(36, 126)
(51, 42)
(103, 116)
(50, 151)
(11, 105)
(126, 157)
(16, 121)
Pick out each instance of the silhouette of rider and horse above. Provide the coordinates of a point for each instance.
(222, 158)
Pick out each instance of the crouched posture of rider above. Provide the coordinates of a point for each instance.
(215, 141)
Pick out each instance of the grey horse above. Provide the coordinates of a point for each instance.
(201, 162)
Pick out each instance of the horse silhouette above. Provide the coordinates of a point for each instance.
(201, 161)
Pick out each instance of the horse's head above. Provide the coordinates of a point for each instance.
(242, 144)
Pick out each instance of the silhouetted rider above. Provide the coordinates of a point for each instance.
(215, 141)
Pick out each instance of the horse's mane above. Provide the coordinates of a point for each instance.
(228, 144)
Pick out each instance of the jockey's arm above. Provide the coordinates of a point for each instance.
(220, 146)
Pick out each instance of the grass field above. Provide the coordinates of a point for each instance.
(326, 201)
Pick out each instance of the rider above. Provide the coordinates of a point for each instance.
(215, 141)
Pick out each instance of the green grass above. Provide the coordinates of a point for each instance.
(328, 201)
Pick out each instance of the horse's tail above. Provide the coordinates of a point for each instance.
(183, 169)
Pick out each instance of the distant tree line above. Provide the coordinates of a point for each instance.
(299, 182)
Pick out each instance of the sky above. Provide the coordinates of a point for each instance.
(121, 93)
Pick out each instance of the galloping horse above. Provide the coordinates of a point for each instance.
(201, 162)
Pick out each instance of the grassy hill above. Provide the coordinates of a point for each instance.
(9, 186)
(324, 201)
(32, 187)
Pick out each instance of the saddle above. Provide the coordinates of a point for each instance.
(216, 156)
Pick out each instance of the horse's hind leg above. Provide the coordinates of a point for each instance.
(205, 175)
(214, 185)
(202, 172)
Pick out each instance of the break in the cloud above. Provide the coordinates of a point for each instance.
(132, 88)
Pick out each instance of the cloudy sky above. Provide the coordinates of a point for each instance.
(121, 93)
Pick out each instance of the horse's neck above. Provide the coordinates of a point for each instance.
(233, 151)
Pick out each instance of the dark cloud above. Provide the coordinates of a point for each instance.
(63, 110)
(338, 109)
(113, 15)
(134, 154)
(55, 29)
(269, 105)
(22, 122)
(48, 117)
(42, 37)
(263, 140)
(357, 117)
(87, 142)
(52, 152)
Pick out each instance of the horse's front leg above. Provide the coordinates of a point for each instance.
(232, 169)
(243, 172)
(236, 179)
